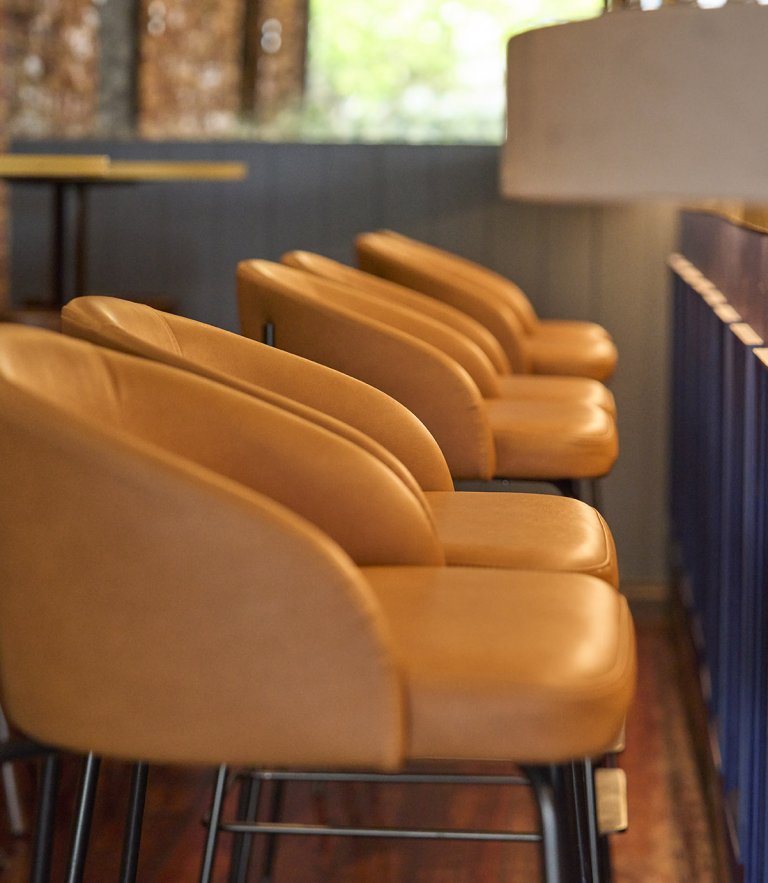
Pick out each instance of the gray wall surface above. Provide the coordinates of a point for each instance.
(606, 264)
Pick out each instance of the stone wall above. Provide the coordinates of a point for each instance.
(53, 67)
(190, 67)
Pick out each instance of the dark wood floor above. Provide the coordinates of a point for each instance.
(669, 839)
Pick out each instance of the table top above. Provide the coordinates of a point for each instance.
(151, 170)
(47, 166)
(96, 169)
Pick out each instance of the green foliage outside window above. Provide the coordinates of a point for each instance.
(420, 70)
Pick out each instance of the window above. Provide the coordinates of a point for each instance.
(345, 70)
(422, 70)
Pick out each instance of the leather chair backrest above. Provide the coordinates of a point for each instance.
(155, 608)
(354, 333)
(391, 292)
(436, 333)
(348, 493)
(336, 401)
(476, 274)
(489, 299)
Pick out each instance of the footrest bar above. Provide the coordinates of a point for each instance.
(392, 778)
(405, 833)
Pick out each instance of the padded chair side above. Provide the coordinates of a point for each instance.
(473, 273)
(402, 317)
(390, 291)
(437, 390)
(500, 319)
(163, 592)
(265, 371)
(322, 477)
(86, 326)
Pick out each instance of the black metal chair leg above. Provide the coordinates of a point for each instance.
(551, 847)
(270, 850)
(599, 843)
(597, 857)
(42, 847)
(568, 487)
(129, 863)
(564, 833)
(83, 818)
(217, 801)
(247, 810)
(594, 846)
(581, 820)
(604, 861)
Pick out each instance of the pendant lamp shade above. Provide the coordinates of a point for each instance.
(663, 104)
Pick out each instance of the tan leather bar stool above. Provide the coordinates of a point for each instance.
(189, 617)
(510, 385)
(536, 531)
(434, 372)
(532, 345)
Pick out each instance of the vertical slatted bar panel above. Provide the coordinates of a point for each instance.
(752, 768)
(697, 445)
(736, 602)
(706, 497)
(719, 503)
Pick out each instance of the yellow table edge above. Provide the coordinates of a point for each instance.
(101, 168)
(150, 170)
(43, 165)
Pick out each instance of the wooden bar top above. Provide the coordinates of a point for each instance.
(52, 166)
(61, 167)
(148, 170)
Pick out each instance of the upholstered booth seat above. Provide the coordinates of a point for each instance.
(583, 389)
(194, 610)
(532, 345)
(429, 368)
(530, 531)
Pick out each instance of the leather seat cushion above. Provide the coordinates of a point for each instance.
(532, 667)
(524, 531)
(551, 440)
(582, 390)
(572, 326)
(582, 355)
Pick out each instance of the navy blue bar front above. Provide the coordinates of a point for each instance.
(719, 504)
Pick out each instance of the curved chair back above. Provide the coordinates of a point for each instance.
(143, 589)
(477, 274)
(463, 324)
(340, 403)
(404, 318)
(359, 335)
(491, 300)
(317, 474)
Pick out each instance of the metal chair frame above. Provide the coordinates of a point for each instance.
(571, 846)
